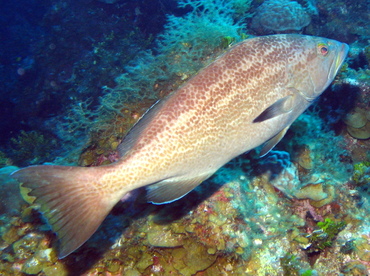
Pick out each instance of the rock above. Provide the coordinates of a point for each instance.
(10, 236)
(159, 236)
(145, 261)
(360, 133)
(330, 190)
(32, 266)
(280, 16)
(56, 269)
(217, 219)
(356, 119)
(11, 199)
(312, 191)
(47, 255)
(192, 258)
(358, 123)
(113, 265)
(354, 268)
(362, 248)
(26, 246)
(304, 158)
(132, 272)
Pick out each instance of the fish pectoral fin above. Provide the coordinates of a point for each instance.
(270, 144)
(281, 106)
(172, 189)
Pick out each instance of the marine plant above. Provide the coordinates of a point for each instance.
(186, 45)
(323, 237)
(291, 266)
(361, 173)
(31, 147)
(289, 263)
(4, 161)
(308, 272)
(192, 37)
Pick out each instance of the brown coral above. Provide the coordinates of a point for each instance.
(280, 15)
(358, 123)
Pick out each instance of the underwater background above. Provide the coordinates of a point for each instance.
(75, 75)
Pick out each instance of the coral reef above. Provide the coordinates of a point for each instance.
(235, 223)
(361, 174)
(301, 210)
(280, 16)
(31, 147)
(188, 43)
(4, 160)
(324, 237)
(358, 123)
(189, 39)
(11, 200)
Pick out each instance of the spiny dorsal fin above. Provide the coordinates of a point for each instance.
(270, 144)
(172, 189)
(281, 106)
(73, 211)
(130, 139)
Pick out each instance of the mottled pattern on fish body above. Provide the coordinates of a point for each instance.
(247, 97)
(209, 120)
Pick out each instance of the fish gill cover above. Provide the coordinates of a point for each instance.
(78, 74)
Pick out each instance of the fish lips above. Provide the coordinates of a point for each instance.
(343, 50)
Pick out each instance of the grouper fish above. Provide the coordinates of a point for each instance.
(247, 97)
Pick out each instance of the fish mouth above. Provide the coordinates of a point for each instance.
(337, 63)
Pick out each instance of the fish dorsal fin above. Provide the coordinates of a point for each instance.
(281, 106)
(270, 144)
(172, 189)
(130, 139)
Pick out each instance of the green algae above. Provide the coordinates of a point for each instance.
(291, 266)
(361, 173)
(324, 237)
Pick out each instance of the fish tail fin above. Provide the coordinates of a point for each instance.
(70, 198)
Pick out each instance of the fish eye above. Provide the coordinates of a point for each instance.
(323, 49)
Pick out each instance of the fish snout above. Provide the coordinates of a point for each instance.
(342, 50)
(342, 54)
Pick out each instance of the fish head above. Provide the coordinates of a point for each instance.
(316, 65)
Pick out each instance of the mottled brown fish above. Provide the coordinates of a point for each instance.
(249, 96)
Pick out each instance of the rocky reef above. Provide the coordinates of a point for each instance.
(301, 210)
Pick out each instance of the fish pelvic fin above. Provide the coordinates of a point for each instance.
(172, 189)
(70, 199)
(270, 144)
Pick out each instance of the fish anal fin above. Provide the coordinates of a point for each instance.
(172, 189)
(281, 106)
(73, 210)
(270, 144)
